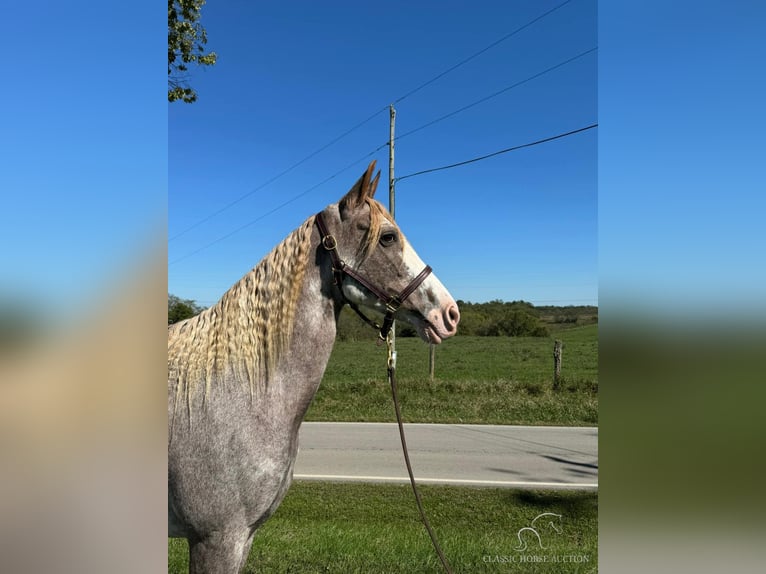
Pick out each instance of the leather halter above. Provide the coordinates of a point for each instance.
(340, 268)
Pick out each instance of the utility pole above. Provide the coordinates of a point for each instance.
(391, 199)
(391, 193)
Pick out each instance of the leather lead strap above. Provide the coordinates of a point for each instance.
(418, 502)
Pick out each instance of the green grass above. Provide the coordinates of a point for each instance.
(362, 528)
(498, 380)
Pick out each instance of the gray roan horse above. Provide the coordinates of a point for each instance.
(242, 373)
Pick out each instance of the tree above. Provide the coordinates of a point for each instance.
(519, 323)
(180, 309)
(186, 41)
(501, 319)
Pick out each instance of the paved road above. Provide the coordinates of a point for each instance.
(480, 455)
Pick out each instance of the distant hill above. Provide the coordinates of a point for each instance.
(568, 315)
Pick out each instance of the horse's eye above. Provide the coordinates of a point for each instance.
(388, 238)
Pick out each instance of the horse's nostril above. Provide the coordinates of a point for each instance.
(453, 317)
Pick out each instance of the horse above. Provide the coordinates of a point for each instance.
(243, 372)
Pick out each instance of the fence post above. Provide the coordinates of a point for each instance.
(557, 348)
(431, 360)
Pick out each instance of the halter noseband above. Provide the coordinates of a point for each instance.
(339, 268)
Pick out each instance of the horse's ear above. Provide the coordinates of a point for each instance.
(374, 185)
(364, 187)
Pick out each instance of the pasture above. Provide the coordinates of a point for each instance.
(493, 380)
(361, 528)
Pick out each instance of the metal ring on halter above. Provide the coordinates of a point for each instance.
(329, 242)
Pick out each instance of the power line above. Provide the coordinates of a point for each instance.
(489, 97)
(277, 208)
(360, 124)
(276, 177)
(559, 136)
(365, 121)
(492, 45)
(352, 164)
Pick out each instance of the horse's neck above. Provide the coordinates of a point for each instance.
(301, 367)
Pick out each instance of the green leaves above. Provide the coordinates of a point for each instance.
(180, 309)
(496, 318)
(186, 41)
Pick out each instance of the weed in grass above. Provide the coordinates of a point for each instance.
(533, 389)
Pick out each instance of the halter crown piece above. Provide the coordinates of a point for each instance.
(340, 268)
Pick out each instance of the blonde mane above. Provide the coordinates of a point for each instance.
(241, 338)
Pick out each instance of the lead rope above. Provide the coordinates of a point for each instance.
(394, 394)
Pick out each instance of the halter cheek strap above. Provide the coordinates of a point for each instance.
(340, 268)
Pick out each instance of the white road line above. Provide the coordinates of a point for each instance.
(404, 479)
(545, 427)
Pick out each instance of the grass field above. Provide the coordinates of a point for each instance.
(361, 528)
(498, 380)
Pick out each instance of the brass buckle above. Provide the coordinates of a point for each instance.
(393, 304)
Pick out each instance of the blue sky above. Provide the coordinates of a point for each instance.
(83, 149)
(93, 159)
(682, 187)
(291, 77)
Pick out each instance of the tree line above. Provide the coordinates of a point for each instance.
(491, 319)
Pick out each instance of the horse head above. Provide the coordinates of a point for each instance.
(379, 268)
